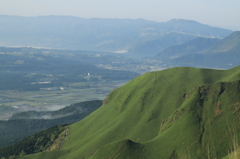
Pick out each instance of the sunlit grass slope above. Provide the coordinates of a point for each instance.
(175, 113)
(234, 155)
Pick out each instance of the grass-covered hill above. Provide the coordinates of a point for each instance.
(175, 113)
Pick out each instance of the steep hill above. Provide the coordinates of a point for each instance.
(111, 35)
(174, 113)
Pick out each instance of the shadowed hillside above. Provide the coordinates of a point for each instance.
(24, 124)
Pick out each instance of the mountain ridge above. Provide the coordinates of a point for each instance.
(96, 34)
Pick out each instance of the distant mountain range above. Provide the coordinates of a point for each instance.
(138, 37)
(205, 52)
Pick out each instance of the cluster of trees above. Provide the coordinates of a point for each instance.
(39, 142)
(22, 124)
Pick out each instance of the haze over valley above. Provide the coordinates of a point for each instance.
(127, 79)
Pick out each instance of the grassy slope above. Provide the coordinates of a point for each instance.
(233, 155)
(149, 118)
(205, 127)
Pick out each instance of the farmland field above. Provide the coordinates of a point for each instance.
(54, 99)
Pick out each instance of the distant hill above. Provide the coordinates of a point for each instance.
(205, 52)
(175, 32)
(28, 123)
(197, 45)
(193, 27)
(175, 113)
(108, 35)
(229, 44)
(152, 47)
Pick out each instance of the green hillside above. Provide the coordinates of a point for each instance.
(174, 113)
(234, 155)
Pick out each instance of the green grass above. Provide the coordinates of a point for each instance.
(149, 118)
(234, 155)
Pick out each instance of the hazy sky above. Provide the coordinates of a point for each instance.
(221, 13)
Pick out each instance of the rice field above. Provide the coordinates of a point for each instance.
(55, 99)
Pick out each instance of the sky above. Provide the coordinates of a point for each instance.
(218, 13)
